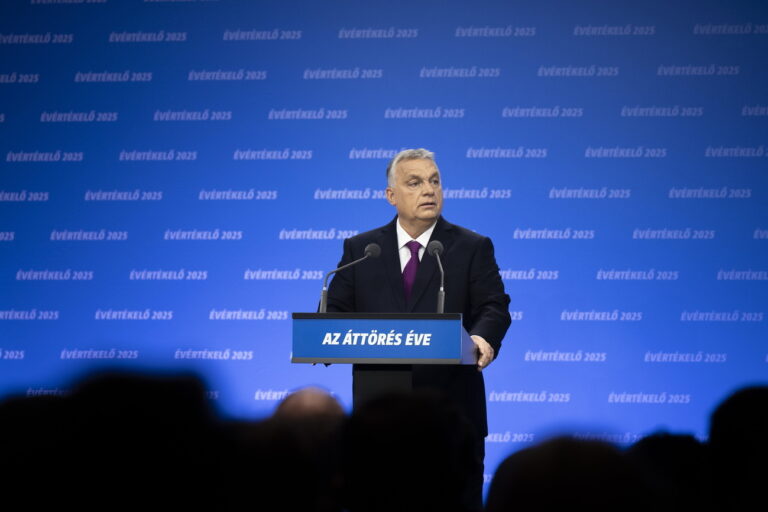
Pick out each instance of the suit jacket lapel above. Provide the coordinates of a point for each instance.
(428, 268)
(391, 256)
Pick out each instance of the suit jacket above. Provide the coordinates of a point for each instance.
(473, 287)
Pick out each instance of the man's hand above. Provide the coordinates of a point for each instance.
(485, 352)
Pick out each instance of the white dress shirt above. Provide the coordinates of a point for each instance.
(403, 238)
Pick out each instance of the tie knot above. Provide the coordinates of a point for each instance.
(414, 247)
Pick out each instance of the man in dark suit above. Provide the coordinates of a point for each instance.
(407, 280)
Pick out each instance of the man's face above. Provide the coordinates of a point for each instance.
(417, 193)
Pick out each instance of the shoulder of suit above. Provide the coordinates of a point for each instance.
(464, 233)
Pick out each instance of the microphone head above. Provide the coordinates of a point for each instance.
(372, 250)
(435, 246)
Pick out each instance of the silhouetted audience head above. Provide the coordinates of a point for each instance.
(290, 461)
(676, 467)
(118, 442)
(309, 402)
(407, 452)
(738, 441)
(567, 474)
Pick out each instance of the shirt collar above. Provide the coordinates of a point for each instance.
(403, 237)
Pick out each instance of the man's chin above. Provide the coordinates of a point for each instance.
(429, 214)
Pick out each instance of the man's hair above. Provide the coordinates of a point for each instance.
(408, 154)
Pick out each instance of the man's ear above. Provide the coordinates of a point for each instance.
(391, 196)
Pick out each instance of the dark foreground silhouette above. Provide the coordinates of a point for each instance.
(128, 442)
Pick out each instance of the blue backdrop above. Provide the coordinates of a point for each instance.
(176, 176)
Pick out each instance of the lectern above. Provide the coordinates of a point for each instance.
(382, 346)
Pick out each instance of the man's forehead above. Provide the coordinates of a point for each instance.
(418, 167)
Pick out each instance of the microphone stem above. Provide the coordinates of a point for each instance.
(441, 293)
(324, 294)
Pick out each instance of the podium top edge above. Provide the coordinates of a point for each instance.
(376, 316)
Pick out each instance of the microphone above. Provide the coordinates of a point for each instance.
(370, 251)
(435, 248)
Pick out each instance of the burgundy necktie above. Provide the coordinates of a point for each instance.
(409, 272)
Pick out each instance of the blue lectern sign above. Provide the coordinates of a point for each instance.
(380, 338)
